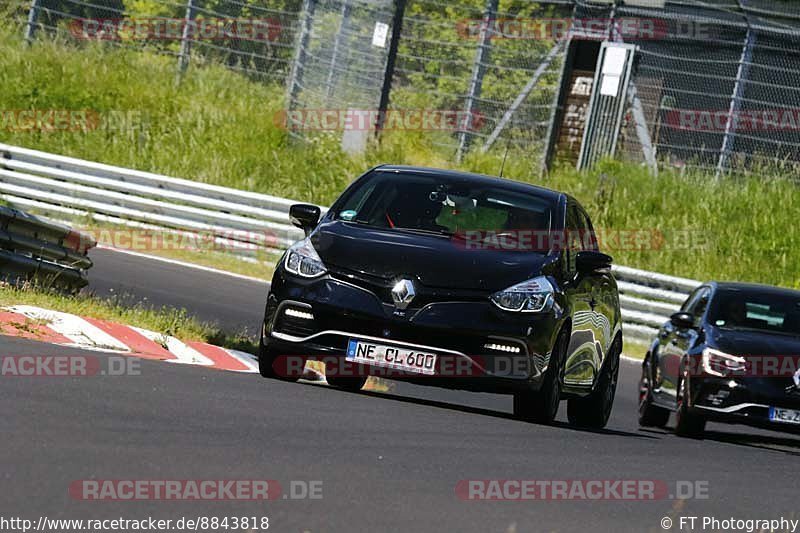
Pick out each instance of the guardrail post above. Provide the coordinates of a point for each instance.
(478, 72)
(33, 15)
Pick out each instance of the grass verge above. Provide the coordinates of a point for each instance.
(635, 350)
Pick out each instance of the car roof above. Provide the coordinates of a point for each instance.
(483, 179)
(769, 289)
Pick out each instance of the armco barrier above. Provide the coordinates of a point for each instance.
(33, 247)
(65, 186)
(59, 186)
(647, 299)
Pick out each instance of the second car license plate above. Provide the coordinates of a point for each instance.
(778, 414)
(391, 357)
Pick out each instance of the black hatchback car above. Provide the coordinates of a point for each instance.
(455, 280)
(731, 354)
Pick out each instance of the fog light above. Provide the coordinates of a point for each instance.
(502, 347)
(294, 313)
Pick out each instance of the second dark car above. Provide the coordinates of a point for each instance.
(731, 354)
(456, 280)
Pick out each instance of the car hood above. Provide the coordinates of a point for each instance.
(436, 261)
(755, 343)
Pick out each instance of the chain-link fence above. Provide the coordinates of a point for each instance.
(340, 64)
(476, 58)
(717, 82)
(721, 88)
(255, 37)
(451, 74)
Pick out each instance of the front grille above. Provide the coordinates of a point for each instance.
(382, 289)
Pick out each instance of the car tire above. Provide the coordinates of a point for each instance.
(687, 423)
(542, 406)
(348, 383)
(594, 410)
(650, 415)
(266, 363)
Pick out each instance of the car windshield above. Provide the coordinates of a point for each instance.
(449, 206)
(752, 309)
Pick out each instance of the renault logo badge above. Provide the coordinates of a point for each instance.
(403, 293)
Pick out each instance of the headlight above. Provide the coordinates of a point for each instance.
(722, 364)
(302, 259)
(530, 296)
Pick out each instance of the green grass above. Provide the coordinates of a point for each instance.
(217, 127)
(636, 350)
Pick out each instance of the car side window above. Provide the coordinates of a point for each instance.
(697, 303)
(700, 306)
(689, 302)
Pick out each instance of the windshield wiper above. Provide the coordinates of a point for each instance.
(440, 232)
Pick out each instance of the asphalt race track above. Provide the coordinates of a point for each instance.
(232, 302)
(387, 462)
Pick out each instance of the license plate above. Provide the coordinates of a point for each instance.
(790, 416)
(393, 357)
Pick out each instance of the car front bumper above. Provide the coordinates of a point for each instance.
(480, 347)
(745, 400)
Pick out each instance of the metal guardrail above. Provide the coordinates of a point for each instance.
(648, 299)
(241, 220)
(35, 248)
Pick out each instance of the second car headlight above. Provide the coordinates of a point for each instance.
(530, 296)
(722, 364)
(303, 260)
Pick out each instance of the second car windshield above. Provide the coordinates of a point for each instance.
(755, 310)
(436, 204)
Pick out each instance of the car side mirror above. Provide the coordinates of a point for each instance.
(590, 261)
(305, 216)
(682, 320)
